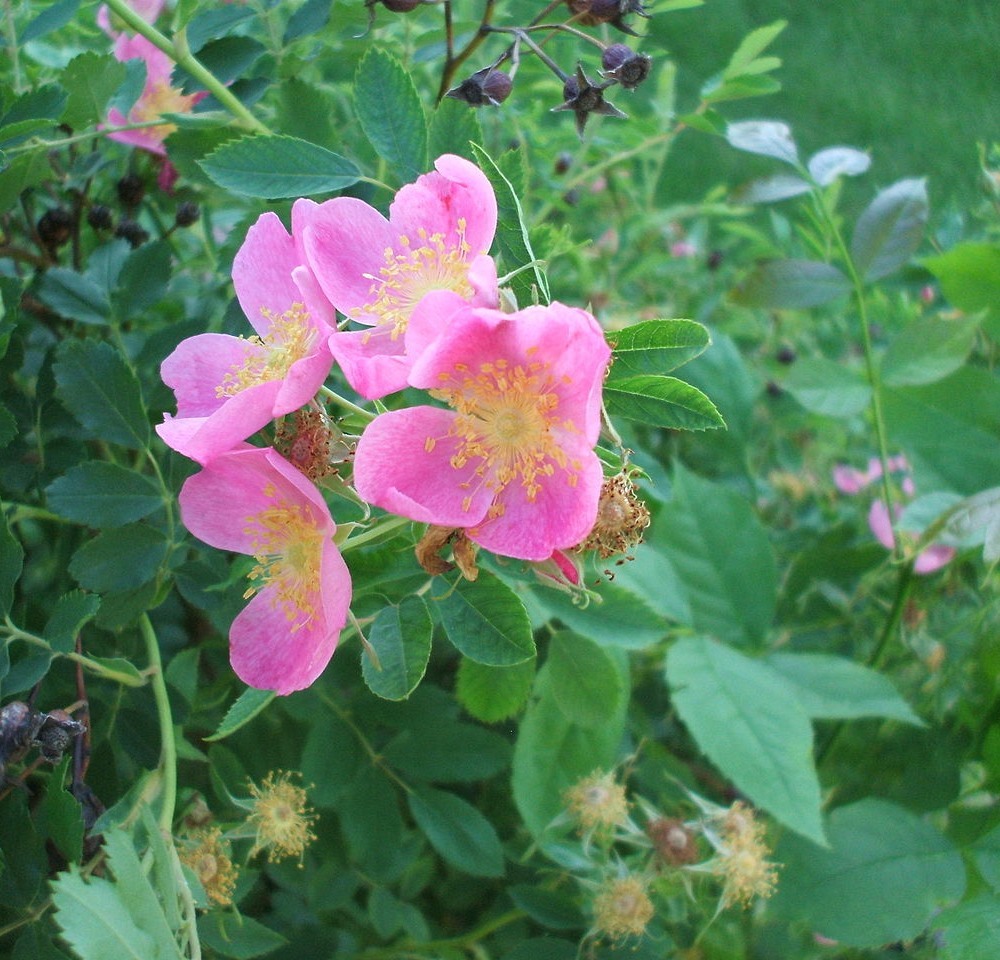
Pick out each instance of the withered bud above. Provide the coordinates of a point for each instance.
(584, 97)
(621, 518)
(623, 64)
(673, 842)
(133, 232)
(55, 227)
(592, 12)
(131, 189)
(428, 552)
(486, 86)
(401, 6)
(99, 217)
(187, 214)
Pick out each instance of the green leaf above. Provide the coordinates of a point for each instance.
(718, 91)
(454, 129)
(778, 186)
(101, 494)
(91, 79)
(979, 513)
(448, 752)
(771, 138)
(25, 171)
(551, 908)
(969, 931)
(229, 58)
(11, 563)
(791, 285)
(828, 388)
(749, 723)
(986, 853)
(458, 832)
(401, 639)
(311, 17)
(584, 680)
(120, 559)
(487, 622)
(970, 276)
(832, 688)
(68, 617)
(927, 350)
(213, 24)
(513, 240)
(390, 112)
(884, 876)
(60, 817)
(723, 558)
(53, 17)
(101, 391)
(231, 934)
(143, 280)
(661, 402)
(751, 47)
(492, 694)
(249, 703)
(74, 296)
(656, 346)
(889, 231)
(371, 823)
(276, 166)
(833, 162)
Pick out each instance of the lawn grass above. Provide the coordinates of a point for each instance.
(917, 83)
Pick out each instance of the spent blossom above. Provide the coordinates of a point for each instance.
(281, 816)
(227, 387)
(512, 457)
(377, 270)
(253, 501)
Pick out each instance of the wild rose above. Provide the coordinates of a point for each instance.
(512, 459)
(254, 501)
(376, 270)
(228, 387)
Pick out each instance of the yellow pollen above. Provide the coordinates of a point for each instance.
(506, 416)
(161, 98)
(288, 547)
(412, 270)
(290, 338)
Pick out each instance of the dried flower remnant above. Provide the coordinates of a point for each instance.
(623, 64)
(584, 97)
(622, 518)
(597, 802)
(428, 552)
(742, 858)
(622, 908)
(281, 816)
(208, 856)
(592, 12)
(312, 443)
(488, 86)
(673, 841)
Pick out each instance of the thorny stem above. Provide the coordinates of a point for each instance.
(168, 745)
(178, 51)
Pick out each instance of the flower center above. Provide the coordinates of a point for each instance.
(410, 272)
(290, 338)
(506, 416)
(287, 546)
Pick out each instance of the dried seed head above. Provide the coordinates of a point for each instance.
(131, 189)
(428, 552)
(281, 816)
(133, 232)
(673, 841)
(208, 856)
(488, 86)
(187, 214)
(742, 860)
(312, 442)
(584, 97)
(591, 12)
(597, 802)
(55, 227)
(623, 64)
(621, 518)
(99, 217)
(622, 908)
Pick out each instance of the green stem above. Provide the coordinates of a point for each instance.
(379, 531)
(37, 143)
(346, 404)
(168, 746)
(178, 51)
(12, 47)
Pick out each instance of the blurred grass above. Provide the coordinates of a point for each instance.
(917, 83)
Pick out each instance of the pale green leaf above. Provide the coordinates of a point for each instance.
(828, 388)
(889, 231)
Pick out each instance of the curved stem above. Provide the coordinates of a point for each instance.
(168, 745)
(336, 398)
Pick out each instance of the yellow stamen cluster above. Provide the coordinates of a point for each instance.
(281, 816)
(743, 859)
(506, 415)
(622, 908)
(208, 856)
(597, 801)
(288, 548)
(410, 272)
(290, 337)
(621, 518)
(161, 98)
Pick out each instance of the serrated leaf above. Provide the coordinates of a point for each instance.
(25, 171)
(889, 231)
(11, 563)
(214, 24)
(884, 876)
(229, 58)
(454, 128)
(833, 162)
(487, 622)
(231, 934)
(749, 723)
(277, 166)
(101, 494)
(401, 638)
(53, 17)
(661, 402)
(791, 285)
(584, 680)
(770, 138)
(458, 832)
(928, 349)
(513, 240)
(828, 388)
(491, 694)
(752, 45)
(832, 688)
(91, 79)
(778, 186)
(120, 559)
(102, 392)
(74, 296)
(60, 817)
(45, 102)
(142, 280)
(656, 346)
(68, 617)
(390, 112)
(249, 703)
(311, 17)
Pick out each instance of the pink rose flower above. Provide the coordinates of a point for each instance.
(228, 388)
(376, 271)
(254, 501)
(927, 561)
(157, 98)
(512, 459)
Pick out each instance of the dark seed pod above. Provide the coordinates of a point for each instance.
(55, 227)
(625, 65)
(131, 231)
(487, 86)
(131, 190)
(401, 6)
(99, 217)
(187, 214)
(715, 259)
(785, 355)
(563, 162)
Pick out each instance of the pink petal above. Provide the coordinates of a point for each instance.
(933, 558)
(878, 521)
(393, 469)
(198, 366)
(372, 361)
(431, 318)
(262, 272)
(303, 380)
(849, 480)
